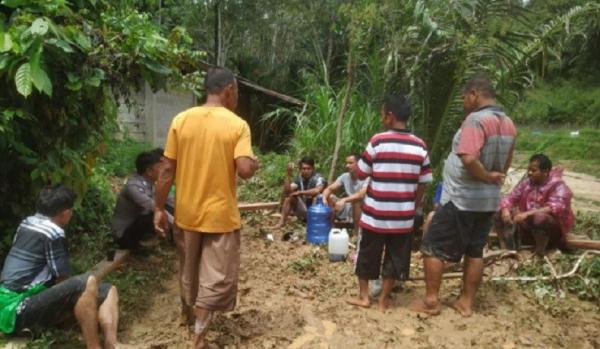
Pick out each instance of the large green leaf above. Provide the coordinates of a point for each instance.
(13, 3)
(39, 27)
(60, 44)
(5, 42)
(38, 75)
(23, 80)
(4, 59)
(41, 80)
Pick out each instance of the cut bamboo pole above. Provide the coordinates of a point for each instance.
(584, 244)
(253, 206)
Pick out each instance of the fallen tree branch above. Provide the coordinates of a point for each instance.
(547, 278)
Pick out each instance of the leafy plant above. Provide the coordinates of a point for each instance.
(585, 284)
(63, 67)
(308, 263)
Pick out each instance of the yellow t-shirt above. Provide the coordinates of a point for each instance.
(205, 141)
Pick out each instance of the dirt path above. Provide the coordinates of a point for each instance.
(586, 188)
(290, 296)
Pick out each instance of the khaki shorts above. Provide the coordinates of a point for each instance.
(211, 265)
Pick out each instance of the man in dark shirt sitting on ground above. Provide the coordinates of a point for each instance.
(134, 212)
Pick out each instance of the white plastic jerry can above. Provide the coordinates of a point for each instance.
(338, 244)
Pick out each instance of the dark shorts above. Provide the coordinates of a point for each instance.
(141, 229)
(396, 259)
(55, 305)
(454, 233)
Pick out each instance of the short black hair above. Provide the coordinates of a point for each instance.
(355, 155)
(146, 159)
(160, 151)
(217, 79)
(482, 84)
(398, 105)
(308, 161)
(544, 162)
(54, 199)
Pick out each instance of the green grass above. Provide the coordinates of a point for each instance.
(580, 153)
(119, 159)
(266, 184)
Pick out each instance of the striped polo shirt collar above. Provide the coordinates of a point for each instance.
(44, 225)
(493, 107)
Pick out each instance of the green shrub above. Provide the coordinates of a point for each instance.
(119, 159)
(560, 102)
(266, 183)
(578, 153)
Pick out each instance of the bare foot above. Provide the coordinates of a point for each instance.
(384, 304)
(420, 306)
(461, 308)
(359, 302)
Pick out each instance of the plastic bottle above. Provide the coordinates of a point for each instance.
(338, 245)
(318, 222)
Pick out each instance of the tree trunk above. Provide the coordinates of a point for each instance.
(218, 43)
(330, 46)
(343, 110)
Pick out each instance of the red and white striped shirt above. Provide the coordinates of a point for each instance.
(397, 161)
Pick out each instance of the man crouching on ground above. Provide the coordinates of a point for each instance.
(299, 193)
(37, 291)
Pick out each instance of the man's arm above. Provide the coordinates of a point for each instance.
(287, 181)
(141, 198)
(246, 166)
(163, 185)
(311, 192)
(358, 196)
(475, 168)
(511, 153)
(329, 190)
(419, 195)
(57, 259)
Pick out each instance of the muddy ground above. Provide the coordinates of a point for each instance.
(291, 296)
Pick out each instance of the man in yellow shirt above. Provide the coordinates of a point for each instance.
(206, 147)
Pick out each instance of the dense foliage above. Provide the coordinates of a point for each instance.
(63, 67)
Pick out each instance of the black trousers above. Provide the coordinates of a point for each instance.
(141, 229)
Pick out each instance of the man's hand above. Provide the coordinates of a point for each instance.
(521, 217)
(289, 170)
(494, 177)
(339, 205)
(506, 218)
(161, 223)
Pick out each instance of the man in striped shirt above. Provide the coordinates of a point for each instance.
(398, 165)
(473, 173)
(37, 290)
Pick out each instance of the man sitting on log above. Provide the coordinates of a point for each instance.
(540, 206)
(347, 208)
(299, 193)
(37, 290)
